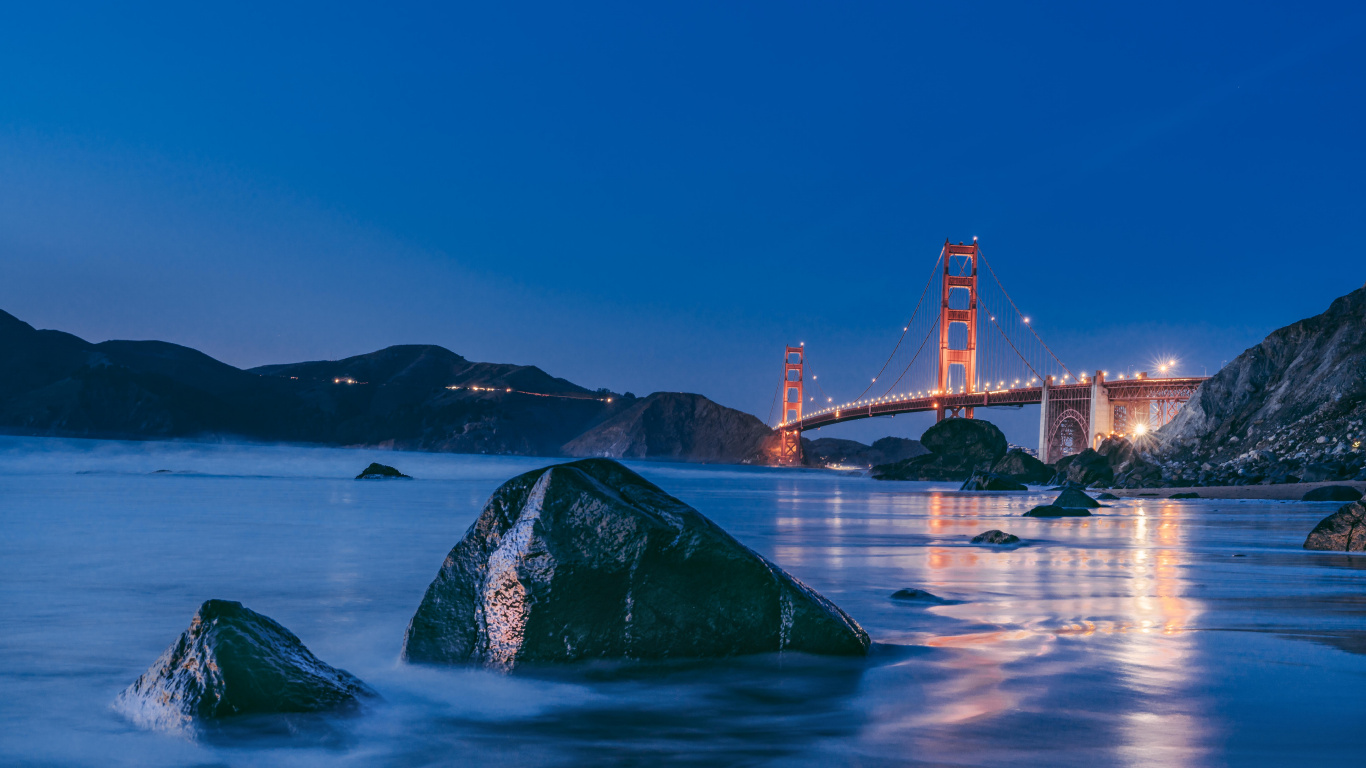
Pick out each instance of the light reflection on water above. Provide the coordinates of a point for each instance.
(1132, 637)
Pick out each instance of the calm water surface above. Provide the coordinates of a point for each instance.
(1155, 633)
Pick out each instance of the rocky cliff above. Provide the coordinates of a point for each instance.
(1291, 408)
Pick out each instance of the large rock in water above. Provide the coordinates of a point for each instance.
(590, 560)
(1087, 468)
(1115, 463)
(234, 661)
(1075, 498)
(957, 448)
(377, 471)
(1342, 531)
(974, 440)
(1333, 493)
(1022, 467)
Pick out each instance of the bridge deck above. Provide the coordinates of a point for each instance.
(1118, 390)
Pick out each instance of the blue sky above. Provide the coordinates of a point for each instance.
(650, 196)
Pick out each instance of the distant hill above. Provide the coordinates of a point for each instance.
(413, 397)
(678, 426)
(834, 452)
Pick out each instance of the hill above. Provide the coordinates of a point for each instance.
(678, 426)
(420, 397)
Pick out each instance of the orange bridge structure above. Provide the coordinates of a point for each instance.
(988, 355)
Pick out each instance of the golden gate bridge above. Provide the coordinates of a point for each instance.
(985, 353)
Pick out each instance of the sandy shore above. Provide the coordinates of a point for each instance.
(1288, 491)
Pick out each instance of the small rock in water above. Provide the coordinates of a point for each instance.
(1190, 495)
(590, 560)
(995, 537)
(918, 595)
(162, 472)
(1342, 531)
(1075, 498)
(234, 661)
(381, 472)
(1106, 497)
(1049, 510)
(1333, 493)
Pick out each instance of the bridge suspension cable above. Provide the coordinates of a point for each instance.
(1020, 314)
(905, 329)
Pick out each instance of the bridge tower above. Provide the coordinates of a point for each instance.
(960, 277)
(790, 445)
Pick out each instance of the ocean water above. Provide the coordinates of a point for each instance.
(1155, 633)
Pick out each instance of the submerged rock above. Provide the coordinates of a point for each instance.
(1106, 497)
(590, 560)
(1342, 531)
(1075, 498)
(1189, 495)
(234, 661)
(918, 595)
(1333, 493)
(990, 481)
(995, 537)
(1049, 510)
(381, 472)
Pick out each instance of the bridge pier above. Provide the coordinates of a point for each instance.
(1102, 420)
(1043, 420)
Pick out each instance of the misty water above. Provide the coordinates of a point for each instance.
(1155, 633)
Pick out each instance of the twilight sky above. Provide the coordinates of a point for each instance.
(657, 197)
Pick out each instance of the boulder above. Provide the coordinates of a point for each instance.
(1106, 497)
(1187, 495)
(1075, 498)
(381, 472)
(234, 661)
(995, 537)
(957, 448)
(1319, 472)
(1342, 531)
(1086, 468)
(1049, 510)
(1022, 467)
(590, 560)
(974, 440)
(1333, 493)
(990, 481)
